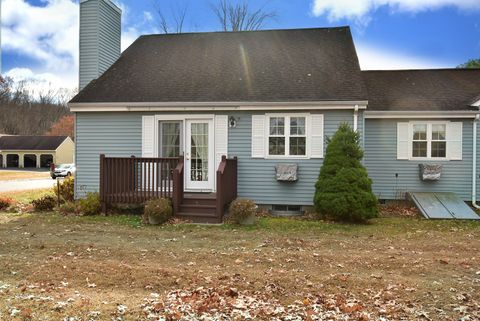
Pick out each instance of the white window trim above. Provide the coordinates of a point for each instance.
(287, 137)
(429, 140)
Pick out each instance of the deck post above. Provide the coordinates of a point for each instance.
(102, 184)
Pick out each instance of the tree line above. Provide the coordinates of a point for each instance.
(23, 112)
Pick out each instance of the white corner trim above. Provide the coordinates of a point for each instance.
(215, 106)
(476, 104)
(421, 114)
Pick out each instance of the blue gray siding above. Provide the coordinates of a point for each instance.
(100, 38)
(120, 134)
(256, 177)
(382, 164)
(113, 134)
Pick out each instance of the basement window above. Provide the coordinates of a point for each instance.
(286, 210)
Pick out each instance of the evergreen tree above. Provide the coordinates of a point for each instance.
(344, 190)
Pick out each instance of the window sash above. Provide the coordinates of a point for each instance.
(430, 142)
(287, 135)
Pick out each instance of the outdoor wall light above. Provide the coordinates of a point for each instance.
(232, 122)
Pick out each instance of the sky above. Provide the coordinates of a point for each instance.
(40, 37)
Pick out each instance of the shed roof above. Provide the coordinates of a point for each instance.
(318, 64)
(422, 90)
(49, 143)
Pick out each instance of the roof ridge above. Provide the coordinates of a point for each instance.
(242, 32)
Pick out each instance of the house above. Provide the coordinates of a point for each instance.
(35, 151)
(264, 99)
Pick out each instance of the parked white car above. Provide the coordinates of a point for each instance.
(63, 170)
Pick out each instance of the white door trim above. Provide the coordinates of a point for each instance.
(204, 186)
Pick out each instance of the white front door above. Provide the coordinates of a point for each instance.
(199, 155)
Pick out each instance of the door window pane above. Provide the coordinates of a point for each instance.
(199, 152)
(170, 139)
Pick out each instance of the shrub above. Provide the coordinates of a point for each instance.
(241, 210)
(44, 204)
(344, 190)
(158, 211)
(90, 205)
(5, 203)
(66, 189)
(68, 208)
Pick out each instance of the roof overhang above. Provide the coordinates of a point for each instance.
(422, 114)
(215, 106)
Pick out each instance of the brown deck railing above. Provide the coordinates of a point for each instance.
(226, 183)
(134, 180)
(177, 196)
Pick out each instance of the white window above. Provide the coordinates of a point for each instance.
(434, 140)
(429, 140)
(287, 136)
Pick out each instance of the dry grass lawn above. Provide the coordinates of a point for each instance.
(103, 268)
(9, 175)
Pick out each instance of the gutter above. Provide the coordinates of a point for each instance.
(474, 166)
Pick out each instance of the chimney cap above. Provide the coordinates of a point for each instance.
(109, 2)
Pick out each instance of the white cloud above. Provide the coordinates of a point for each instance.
(48, 34)
(359, 10)
(376, 58)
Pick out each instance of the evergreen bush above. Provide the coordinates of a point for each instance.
(343, 191)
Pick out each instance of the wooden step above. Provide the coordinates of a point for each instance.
(199, 201)
(199, 218)
(198, 208)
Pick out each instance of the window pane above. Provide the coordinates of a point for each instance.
(419, 149)
(297, 146)
(439, 149)
(276, 146)
(297, 126)
(420, 132)
(438, 132)
(170, 138)
(277, 126)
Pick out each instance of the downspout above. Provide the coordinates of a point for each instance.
(355, 118)
(474, 166)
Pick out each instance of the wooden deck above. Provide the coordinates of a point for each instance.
(136, 180)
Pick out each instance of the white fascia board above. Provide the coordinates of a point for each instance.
(215, 106)
(421, 114)
(476, 104)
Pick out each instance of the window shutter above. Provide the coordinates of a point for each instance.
(403, 145)
(316, 136)
(221, 138)
(454, 141)
(258, 136)
(148, 136)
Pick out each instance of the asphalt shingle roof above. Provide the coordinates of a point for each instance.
(31, 142)
(422, 90)
(262, 66)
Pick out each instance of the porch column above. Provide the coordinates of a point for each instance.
(37, 158)
(21, 163)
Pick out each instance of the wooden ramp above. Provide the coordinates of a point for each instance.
(442, 206)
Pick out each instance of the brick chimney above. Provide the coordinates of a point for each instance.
(100, 38)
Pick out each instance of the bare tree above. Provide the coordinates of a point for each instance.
(240, 17)
(177, 19)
